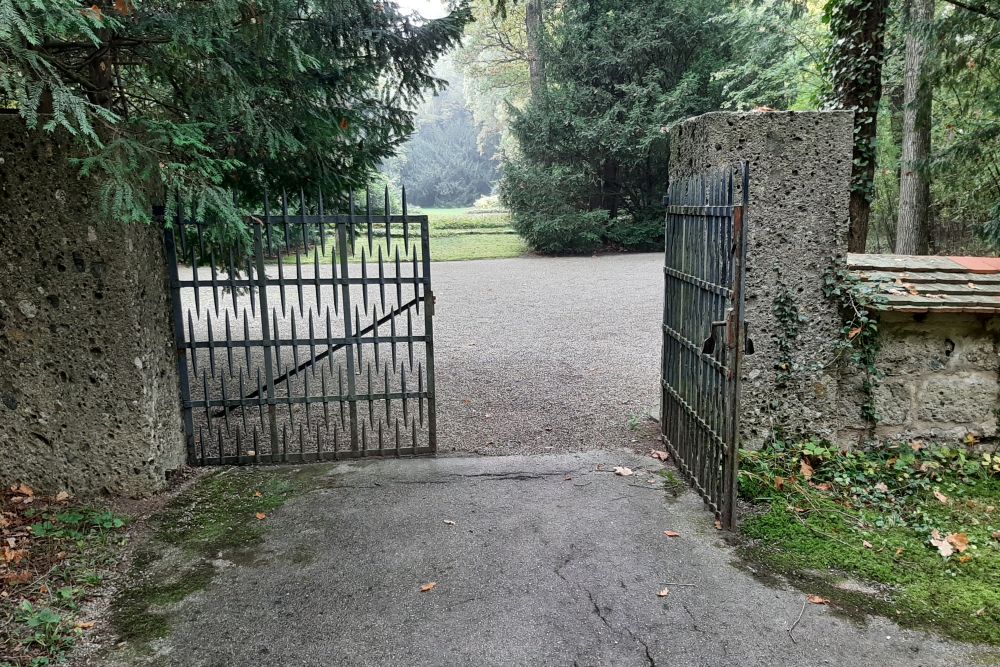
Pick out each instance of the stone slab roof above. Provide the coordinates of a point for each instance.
(921, 284)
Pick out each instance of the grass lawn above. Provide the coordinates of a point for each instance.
(918, 526)
(456, 234)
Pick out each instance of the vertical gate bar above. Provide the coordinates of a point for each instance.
(349, 342)
(265, 331)
(425, 250)
(737, 343)
(181, 348)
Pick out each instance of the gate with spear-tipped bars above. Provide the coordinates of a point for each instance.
(316, 345)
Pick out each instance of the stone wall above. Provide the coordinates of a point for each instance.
(940, 377)
(797, 223)
(88, 388)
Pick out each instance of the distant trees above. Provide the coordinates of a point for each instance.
(445, 164)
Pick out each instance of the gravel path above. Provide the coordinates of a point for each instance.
(539, 355)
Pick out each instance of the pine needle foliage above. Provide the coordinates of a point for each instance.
(219, 99)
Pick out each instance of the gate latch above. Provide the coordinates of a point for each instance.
(708, 347)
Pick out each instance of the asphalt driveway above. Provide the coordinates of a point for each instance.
(536, 560)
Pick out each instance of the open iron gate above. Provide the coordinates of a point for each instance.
(704, 333)
(316, 346)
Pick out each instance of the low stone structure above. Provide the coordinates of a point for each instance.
(939, 350)
(88, 386)
(800, 170)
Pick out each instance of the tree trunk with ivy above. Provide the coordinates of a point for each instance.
(855, 65)
(914, 182)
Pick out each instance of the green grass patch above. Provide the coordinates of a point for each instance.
(919, 523)
(221, 517)
(455, 234)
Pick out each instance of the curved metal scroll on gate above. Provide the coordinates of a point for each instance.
(316, 346)
(704, 332)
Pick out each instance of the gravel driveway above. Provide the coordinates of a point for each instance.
(546, 354)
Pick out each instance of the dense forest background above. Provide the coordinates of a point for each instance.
(574, 97)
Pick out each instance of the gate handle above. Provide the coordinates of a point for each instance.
(708, 347)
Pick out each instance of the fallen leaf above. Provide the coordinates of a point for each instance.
(817, 599)
(958, 540)
(882, 487)
(867, 544)
(853, 333)
(980, 611)
(258, 494)
(23, 490)
(664, 593)
(941, 497)
(779, 483)
(659, 454)
(996, 535)
(568, 477)
(718, 525)
(260, 516)
(824, 486)
(964, 559)
(943, 547)
(43, 589)
(805, 469)
(623, 471)
(899, 551)
(917, 445)
(62, 496)
(671, 533)
(449, 522)
(85, 625)
(428, 587)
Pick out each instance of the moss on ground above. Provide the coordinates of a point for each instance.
(223, 516)
(871, 517)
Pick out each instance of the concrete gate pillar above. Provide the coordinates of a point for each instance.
(88, 388)
(797, 220)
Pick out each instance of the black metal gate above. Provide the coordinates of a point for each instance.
(704, 272)
(316, 346)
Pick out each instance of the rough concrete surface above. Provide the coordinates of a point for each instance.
(552, 560)
(88, 388)
(797, 219)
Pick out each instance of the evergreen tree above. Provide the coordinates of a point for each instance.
(215, 96)
(592, 161)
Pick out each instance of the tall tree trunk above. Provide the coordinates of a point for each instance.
(914, 180)
(534, 30)
(858, 31)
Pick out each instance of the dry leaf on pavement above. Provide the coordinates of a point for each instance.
(671, 533)
(260, 516)
(623, 471)
(817, 599)
(659, 454)
(805, 469)
(428, 587)
(449, 522)
(664, 593)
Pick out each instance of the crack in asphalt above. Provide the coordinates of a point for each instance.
(694, 622)
(600, 613)
(517, 476)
